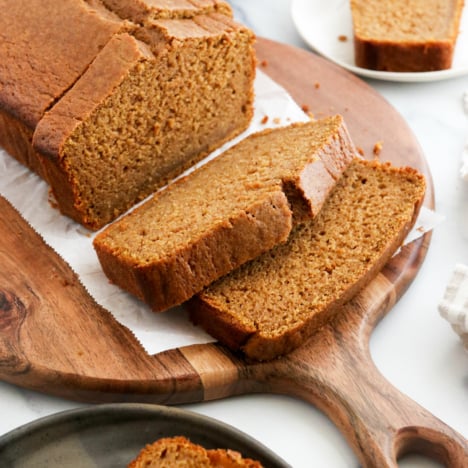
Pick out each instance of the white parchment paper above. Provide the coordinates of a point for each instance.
(156, 332)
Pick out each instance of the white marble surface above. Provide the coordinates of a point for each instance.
(413, 347)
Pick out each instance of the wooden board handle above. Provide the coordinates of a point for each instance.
(380, 423)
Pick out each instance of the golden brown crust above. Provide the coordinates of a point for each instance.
(142, 11)
(271, 305)
(16, 139)
(403, 36)
(71, 32)
(403, 57)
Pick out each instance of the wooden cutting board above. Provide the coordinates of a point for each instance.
(55, 339)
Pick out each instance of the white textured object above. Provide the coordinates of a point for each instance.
(464, 164)
(454, 306)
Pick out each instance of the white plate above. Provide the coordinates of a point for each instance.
(320, 23)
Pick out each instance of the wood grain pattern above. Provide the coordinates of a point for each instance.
(54, 338)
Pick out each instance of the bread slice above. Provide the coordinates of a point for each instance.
(107, 110)
(178, 451)
(271, 305)
(229, 211)
(405, 35)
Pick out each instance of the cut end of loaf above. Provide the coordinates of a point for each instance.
(139, 125)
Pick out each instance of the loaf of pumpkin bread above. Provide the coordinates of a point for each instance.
(108, 110)
(405, 35)
(271, 305)
(227, 212)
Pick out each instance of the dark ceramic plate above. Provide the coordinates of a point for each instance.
(112, 435)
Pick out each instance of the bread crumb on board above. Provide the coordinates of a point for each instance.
(377, 148)
(264, 63)
(266, 119)
(305, 108)
(343, 38)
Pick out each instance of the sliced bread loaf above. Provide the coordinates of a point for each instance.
(272, 304)
(225, 213)
(405, 35)
(178, 451)
(106, 110)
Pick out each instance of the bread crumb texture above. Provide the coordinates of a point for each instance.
(377, 149)
(178, 451)
(272, 304)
